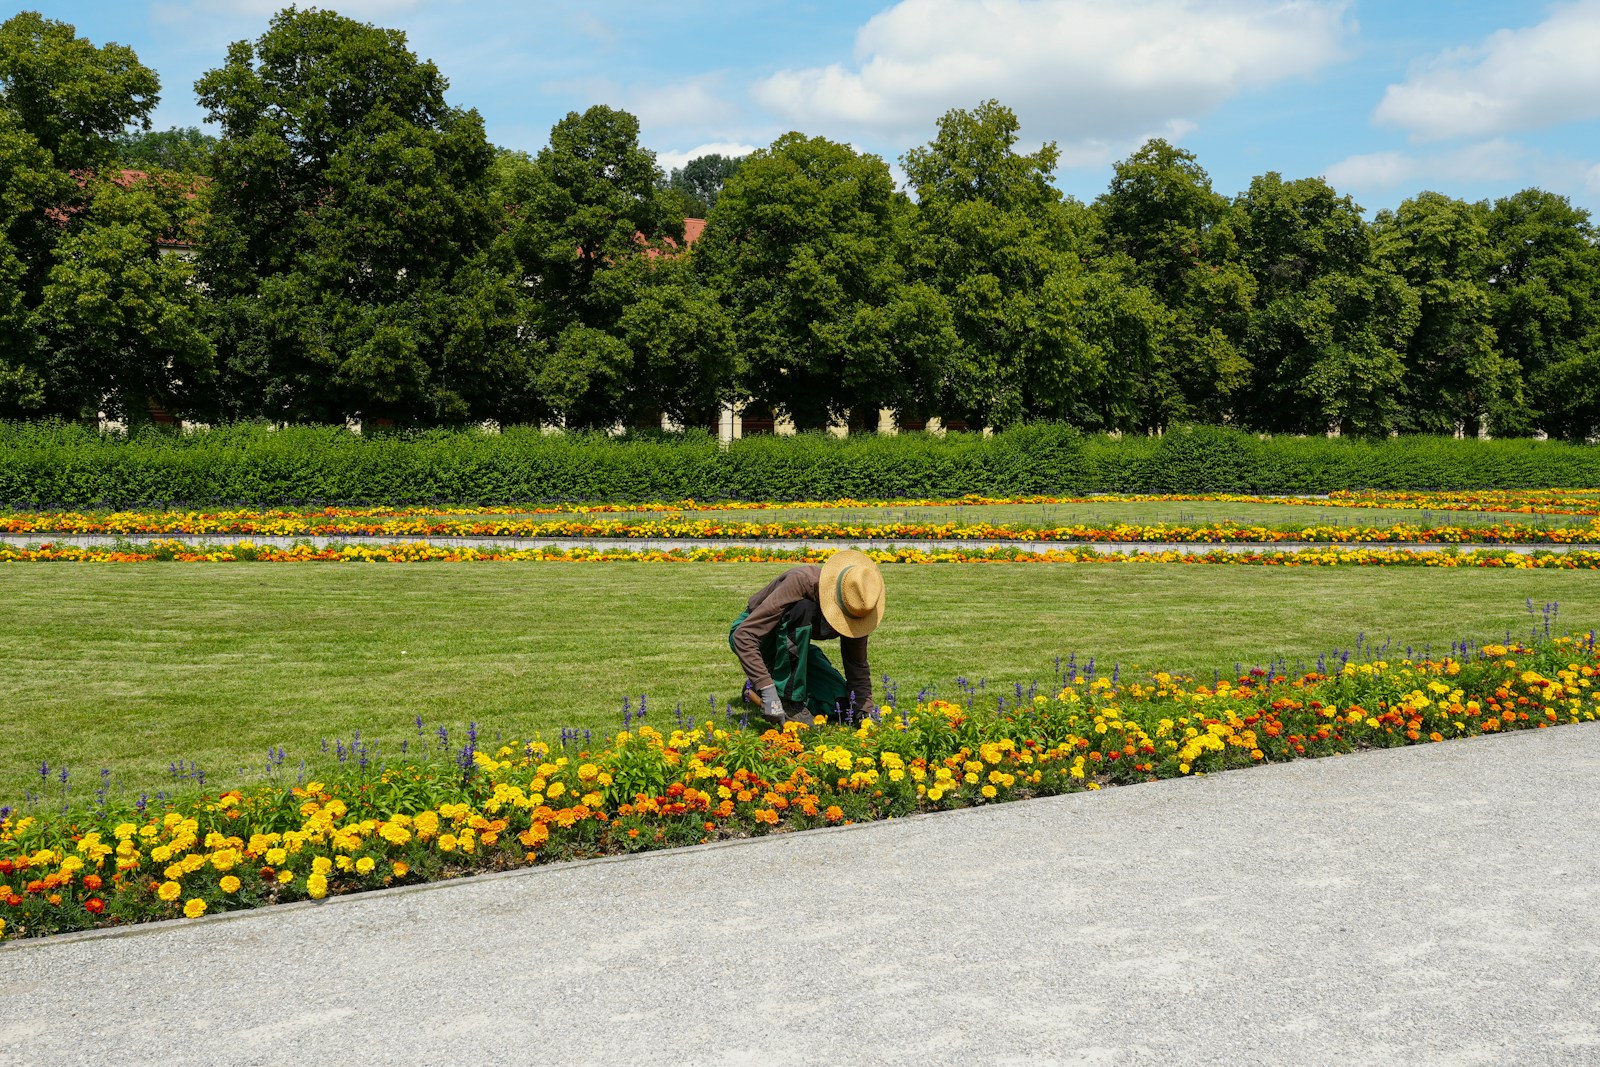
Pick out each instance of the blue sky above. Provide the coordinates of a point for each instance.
(1473, 98)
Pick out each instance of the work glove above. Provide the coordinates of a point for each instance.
(771, 705)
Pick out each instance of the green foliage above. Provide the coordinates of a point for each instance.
(803, 249)
(1162, 223)
(1329, 324)
(348, 250)
(629, 332)
(92, 316)
(186, 150)
(699, 182)
(1455, 373)
(1544, 299)
(46, 464)
(119, 320)
(994, 240)
(70, 95)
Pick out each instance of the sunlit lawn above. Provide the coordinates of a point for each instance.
(129, 667)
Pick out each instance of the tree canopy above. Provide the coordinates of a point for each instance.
(364, 252)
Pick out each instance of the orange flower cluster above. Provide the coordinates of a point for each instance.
(512, 519)
(424, 552)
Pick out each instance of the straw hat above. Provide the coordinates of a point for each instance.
(851, 592)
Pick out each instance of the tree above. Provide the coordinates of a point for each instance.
(586, 205)
(1456, 376)
(351, 244)
(1161, 220)
(121, 320)
(1544, 304)
(187, 151)
(803, 250)
(630, 334)
(699, 182)
(70, 95)
(1329, 325)
(1040, 333)
(93, 316)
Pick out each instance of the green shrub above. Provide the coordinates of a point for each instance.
(60, 465)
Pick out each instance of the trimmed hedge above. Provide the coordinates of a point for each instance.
(47, 465)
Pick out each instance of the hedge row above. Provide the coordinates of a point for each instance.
(57, 465)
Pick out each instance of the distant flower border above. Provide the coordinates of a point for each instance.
(507, 520)
(166, 550)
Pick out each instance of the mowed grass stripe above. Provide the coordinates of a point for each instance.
(131, 667)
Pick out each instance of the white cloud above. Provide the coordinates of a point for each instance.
(1532, 78)
(1498, 160)
(1374, 170)
(694, 102)
(669, 160)
(1092, 74)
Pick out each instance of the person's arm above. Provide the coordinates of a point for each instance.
(765, 614)
(857, 673)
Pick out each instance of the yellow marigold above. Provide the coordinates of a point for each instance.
(229, 884)
(401, 869)
(169, 891)
(317, 886)
(285, 877)
(276, 856)
(447, 842)
(194, 908)
(364, 865)
(395, 834)
(321, 865)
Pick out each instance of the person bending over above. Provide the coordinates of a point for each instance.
(790, 679)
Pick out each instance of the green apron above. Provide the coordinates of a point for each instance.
(799, 669)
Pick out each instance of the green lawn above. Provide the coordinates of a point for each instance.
(130, 667)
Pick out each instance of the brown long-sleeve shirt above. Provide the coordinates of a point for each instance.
(766, 611)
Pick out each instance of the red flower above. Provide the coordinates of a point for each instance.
(92, 882)
(94, 905)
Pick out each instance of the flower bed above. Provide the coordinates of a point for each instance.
(438, 812)
(500, 522)
(424, 552)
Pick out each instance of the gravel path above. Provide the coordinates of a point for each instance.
(1435, 905)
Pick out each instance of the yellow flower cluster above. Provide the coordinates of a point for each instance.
(423, 552)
